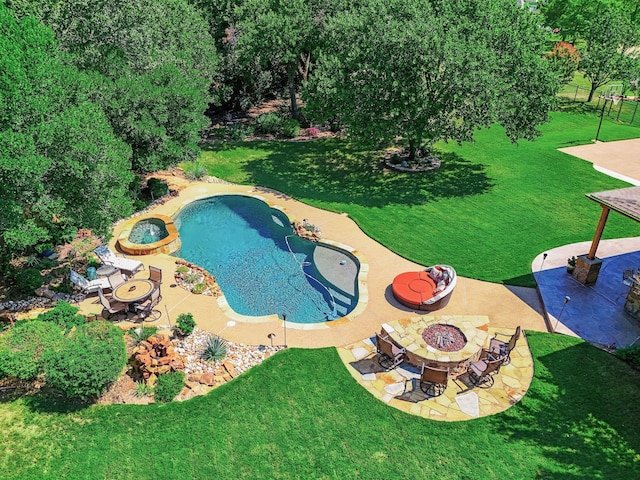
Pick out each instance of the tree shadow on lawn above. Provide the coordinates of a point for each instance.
(341, 172)
(582, 409)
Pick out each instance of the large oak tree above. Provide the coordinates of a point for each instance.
(61, 167)
(432, 70)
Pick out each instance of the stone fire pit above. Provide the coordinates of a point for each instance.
(445, 338)
(450, 341)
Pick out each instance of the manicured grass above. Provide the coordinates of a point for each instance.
(301, 415)
(490, 209)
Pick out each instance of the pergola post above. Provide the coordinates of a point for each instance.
(598, 235)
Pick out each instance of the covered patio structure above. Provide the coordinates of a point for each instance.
(625, 201)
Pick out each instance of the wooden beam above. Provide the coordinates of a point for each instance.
(600, 228)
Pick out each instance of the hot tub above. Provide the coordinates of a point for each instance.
(149, 235)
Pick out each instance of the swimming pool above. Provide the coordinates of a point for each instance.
(261, 266)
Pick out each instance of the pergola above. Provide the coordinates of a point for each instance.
(625, 201)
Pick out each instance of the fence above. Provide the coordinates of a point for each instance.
(626, 111)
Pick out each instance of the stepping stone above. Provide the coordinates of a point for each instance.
(368, 341)
(394, 388)
(369, 377)
(468, 403)
(359, 353)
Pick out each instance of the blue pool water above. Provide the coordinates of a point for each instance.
(261, 267)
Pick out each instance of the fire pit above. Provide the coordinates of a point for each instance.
(450, 341)
(445, 338)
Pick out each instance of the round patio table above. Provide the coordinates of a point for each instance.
(133, 290)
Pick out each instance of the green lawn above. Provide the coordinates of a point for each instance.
(301, 415)
(490, 209)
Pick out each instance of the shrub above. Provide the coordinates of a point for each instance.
(185, 323)
(142, 389)
(88, 360)
(239, 132)
(198, 288)
(28, 280)
(215, 350)
(63, 315)
(182, 269)
(23, 346)
(269, 123)
(168, 387)
(630, 355)
(192, 278)
(195, 170)
(157, 188)
(142, 333)
(291, 128)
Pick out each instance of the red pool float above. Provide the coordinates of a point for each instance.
(420, 291)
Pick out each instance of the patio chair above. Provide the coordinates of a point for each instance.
(481, 372)
(389, 355)
(433, 381)
(111, 307)
(146, 308)
(502, 350)
(88, 286)
(116, 279)
(627, 277)
(155, 276)
(109, 258)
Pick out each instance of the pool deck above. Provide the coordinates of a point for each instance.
(505, 308)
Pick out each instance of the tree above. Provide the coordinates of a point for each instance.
(432, 70)
(61, 167)
(607, 55)
(564, 59)
(152, 65)
(281, 36)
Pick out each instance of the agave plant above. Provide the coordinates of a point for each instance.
(215, 350)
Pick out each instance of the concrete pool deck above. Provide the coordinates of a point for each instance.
(506, 307)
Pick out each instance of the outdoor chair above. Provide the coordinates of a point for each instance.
(433, 381)
(155, 276)
(389, 355)
(109, 258)
(502, 350)
(481, 372)
(116, 279)
(627, 277)
(111, 307)
(146, 308)
(88, 286)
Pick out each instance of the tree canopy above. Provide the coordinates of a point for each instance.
(432, 70)
(61, 166)
(152, 64)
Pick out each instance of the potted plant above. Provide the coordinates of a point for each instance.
(571, 264)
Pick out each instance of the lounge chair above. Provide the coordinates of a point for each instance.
(433, 381)
(111, 307)
(109, 258)
(88, 286)
(481, 372)
(389, 355)
(502, 350)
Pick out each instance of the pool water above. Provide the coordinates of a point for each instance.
(148, 231)
(261, 266)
